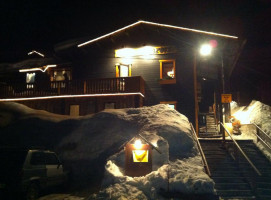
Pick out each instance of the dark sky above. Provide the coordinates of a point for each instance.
(28, 24)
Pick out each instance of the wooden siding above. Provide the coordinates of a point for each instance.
(149, 70)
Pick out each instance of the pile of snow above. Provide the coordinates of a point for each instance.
(178, 169)
(183, 176)
(258, 113)
(91, 145)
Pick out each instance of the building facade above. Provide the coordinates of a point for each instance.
(142, 64)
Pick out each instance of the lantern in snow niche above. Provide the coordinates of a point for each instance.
(138, 158)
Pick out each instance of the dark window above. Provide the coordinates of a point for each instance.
(51, 159)
(109, 105)
(37, 158)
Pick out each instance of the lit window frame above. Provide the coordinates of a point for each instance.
(118, 69)
(170, 103)
(171, 80)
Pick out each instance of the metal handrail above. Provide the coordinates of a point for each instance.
(263, 133)
(239, 148)
(201, 151)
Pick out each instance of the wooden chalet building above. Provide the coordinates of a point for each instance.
(142, 64)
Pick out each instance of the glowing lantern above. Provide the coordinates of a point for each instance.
(138, 159)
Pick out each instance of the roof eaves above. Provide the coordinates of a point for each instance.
(156, 24)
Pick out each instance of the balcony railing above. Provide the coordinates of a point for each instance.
(73, 87)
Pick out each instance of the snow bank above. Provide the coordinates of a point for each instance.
(177, 169)
(258, 113)
(90, 145)
(184, 176)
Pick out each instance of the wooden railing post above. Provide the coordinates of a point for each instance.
(85, 87)
(58, 89)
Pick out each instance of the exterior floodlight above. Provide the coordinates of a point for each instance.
(205, 49)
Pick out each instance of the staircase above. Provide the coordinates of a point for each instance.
(233, 180)
(210, 129)
(263, 183)
(210, 124)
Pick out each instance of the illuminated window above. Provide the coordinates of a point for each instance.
(123, 70)
(30, 80)
(171, 104)
(60, 77)
(167, 71)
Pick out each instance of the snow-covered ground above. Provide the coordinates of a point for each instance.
(177, 169)
(258, 113)
(90, 145)
(96, 140)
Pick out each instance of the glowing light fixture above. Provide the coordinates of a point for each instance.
(138, 144)
(145, 51)
(156, 24)
(126, 52)
(206, 49)
(37, 69)
(36, 52)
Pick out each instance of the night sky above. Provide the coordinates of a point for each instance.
(39, 25)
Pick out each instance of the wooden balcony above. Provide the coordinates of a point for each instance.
(74, 87)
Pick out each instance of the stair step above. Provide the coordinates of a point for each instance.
(235, 193)
(264, 197)
(238, 198)
(232, 179)
(221, 186)
(263, 191)
(263, 185)
(227, 173)
(228, 180)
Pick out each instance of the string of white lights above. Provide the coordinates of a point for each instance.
(71, 96)
(37, 69)
(157, 24)
(33, 51)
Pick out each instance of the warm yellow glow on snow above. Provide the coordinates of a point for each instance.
(243, 115)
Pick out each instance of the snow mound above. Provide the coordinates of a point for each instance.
(258, 113)
(10, 112)
(184, 176)
(178, 168)
(92, 148)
